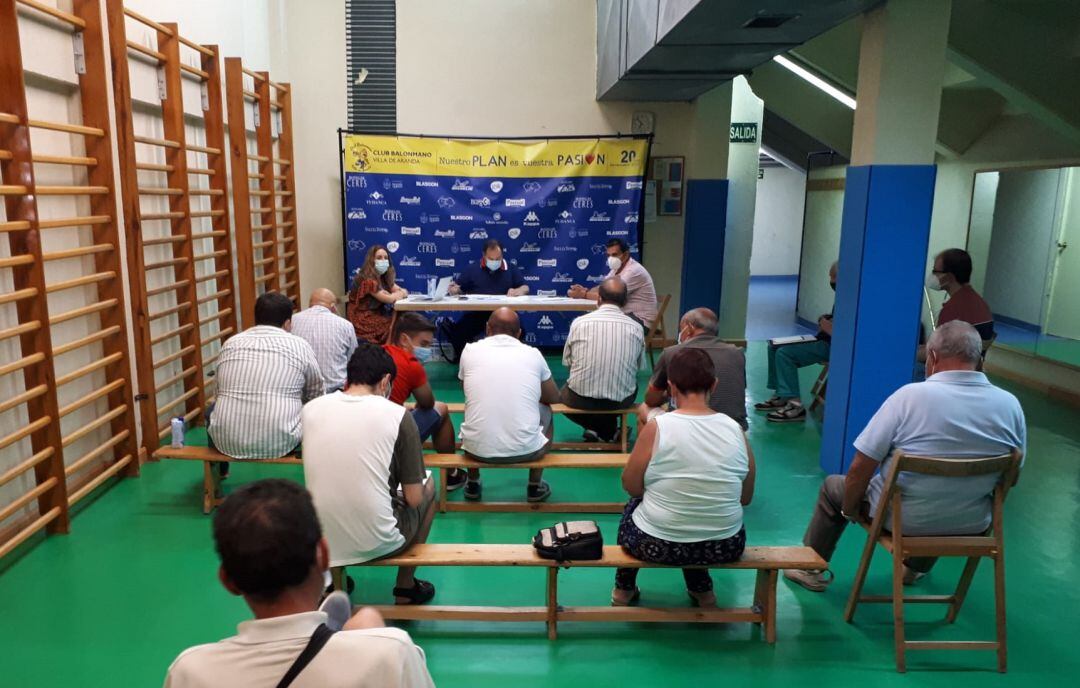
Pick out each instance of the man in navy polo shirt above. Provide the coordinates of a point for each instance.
(491, 275)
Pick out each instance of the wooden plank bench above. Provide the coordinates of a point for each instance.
(767, 561)
(445, 462)
(627, 417)
(209, 457)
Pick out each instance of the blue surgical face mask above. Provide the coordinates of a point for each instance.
(381, 266)
(493, 265)
(422, 353)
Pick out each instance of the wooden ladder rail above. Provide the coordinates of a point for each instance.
(241, 190)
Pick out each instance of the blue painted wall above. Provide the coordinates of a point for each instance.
(703, 243)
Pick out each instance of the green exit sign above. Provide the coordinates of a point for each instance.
(743, 132)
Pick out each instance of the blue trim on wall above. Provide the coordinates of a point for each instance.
(883, 245)
(703, 243)
(812, 326)
(1020, 324)
(773, 278)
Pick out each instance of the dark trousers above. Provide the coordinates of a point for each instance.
(827, 524)
(468, 328)
(604, 425)
(641, 545)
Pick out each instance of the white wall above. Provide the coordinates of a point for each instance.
(820, 241)
(778, 221)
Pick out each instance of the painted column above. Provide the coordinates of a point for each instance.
(885, 229)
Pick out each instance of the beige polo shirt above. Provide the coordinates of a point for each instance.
(263, 650)
(640, 292)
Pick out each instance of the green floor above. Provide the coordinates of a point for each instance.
(135, 583)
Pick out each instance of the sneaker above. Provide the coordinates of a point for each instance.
(456, 479)
(538, 493)
(473, 490)
(792, 412)
(591, 436)
(338, 610)
(911, 576)
(770, 404)
(812, 580)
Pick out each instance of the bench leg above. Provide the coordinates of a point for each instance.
(624, 437)
(211, 486)
(552, 602)
(337, 577)
(770, 607)
(443, 474)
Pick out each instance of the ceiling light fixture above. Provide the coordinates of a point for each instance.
(816, 80)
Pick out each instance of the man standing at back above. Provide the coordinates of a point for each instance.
(265, 375)
(508, 397)
(640, 293)
(332, 337)
(604, 351)
(697, 330)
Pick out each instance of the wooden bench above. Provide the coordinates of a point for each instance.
(767, 561)
(627, 416)
(445, 462)
(211, 480)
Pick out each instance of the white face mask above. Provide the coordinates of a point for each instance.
(933, 283)
(381, 266)
(679, 339)
(614, 263)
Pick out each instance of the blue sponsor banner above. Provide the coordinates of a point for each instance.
(554, 228)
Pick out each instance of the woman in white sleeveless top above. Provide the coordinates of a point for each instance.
(689, 476)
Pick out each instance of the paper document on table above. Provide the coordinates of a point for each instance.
(797, 339)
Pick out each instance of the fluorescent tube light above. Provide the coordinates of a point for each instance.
(816, 80)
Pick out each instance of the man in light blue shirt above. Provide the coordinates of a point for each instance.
(955, 414)
(332, 337)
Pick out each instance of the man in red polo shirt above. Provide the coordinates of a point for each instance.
(952, 274)
(410, 349)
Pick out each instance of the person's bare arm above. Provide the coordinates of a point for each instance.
(633, 476)
(549, 392)
(398, 289)
(518, 291)
(424, 396)
(383, 296)
(414, 494)
(855, 483)
(826, 325)
(655, 397)
(751, 474)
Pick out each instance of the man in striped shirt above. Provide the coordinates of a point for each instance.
(604, 351)
(265, 376)
(332, 337)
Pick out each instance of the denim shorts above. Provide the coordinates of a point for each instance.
(427, 421)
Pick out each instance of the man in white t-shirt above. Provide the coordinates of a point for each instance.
(508, 395)
(359, 448)
(273, 554)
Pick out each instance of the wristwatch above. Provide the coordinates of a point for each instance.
(848, 516)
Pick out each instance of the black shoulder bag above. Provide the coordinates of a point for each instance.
(570, 541)
(318, 640)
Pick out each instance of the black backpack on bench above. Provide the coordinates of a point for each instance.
(570, 541)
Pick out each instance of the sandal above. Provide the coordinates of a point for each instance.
(420, 593)
(633, 599)
(790, 413)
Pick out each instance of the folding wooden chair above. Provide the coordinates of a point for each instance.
(657, 336)
(986, 344)
(973, 547)
(817, 392)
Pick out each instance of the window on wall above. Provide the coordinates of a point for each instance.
(371, 64)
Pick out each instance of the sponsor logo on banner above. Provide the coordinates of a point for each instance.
(631, 218)
(568, 187)
(514, 233)
(582, 202)
(454, 248)
(600, 217)
(462, 185)
(478, 234)
(618, 201)
(409, 200)
(618, 232)
(633, 185)
(529, 247)
(427, 247)
(409, 262)
(445, 233)
(545, 321)
(576, 233)
(566, 248)
(355, 182)
(376, 198)
(444, 262)
(582, 263)
(463, 248)
(564, 218)
(546, 263)
(597, 249)
(389, 215)
(392, 246)
(548, 233)
(530, 338)
(410, 231)
(531, 218)
(561, 278)
(597, 279)
(599, 185)
(356, 245)
(552, 202)
(496, 186)
(446, 202)
(546, 292)
(531, 187)
(357, 214)
(482, 202)
(392, 184)
(532, 278)
(377, 230)
(461, 218)
(515, 203)
(429, 183)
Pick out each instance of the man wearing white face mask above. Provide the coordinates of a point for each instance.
(951, 273)
(410, 348)
(640, 292)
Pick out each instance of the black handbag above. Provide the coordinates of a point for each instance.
(570, 541)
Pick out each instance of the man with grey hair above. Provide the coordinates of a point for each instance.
(698, 330)
(955, 414)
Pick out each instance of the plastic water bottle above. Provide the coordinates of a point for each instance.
(177, 432)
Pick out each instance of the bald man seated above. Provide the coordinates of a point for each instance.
(508, 395)
(698, 330)
(331, 336)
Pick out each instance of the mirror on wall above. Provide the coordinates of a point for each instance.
(1024, 241)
